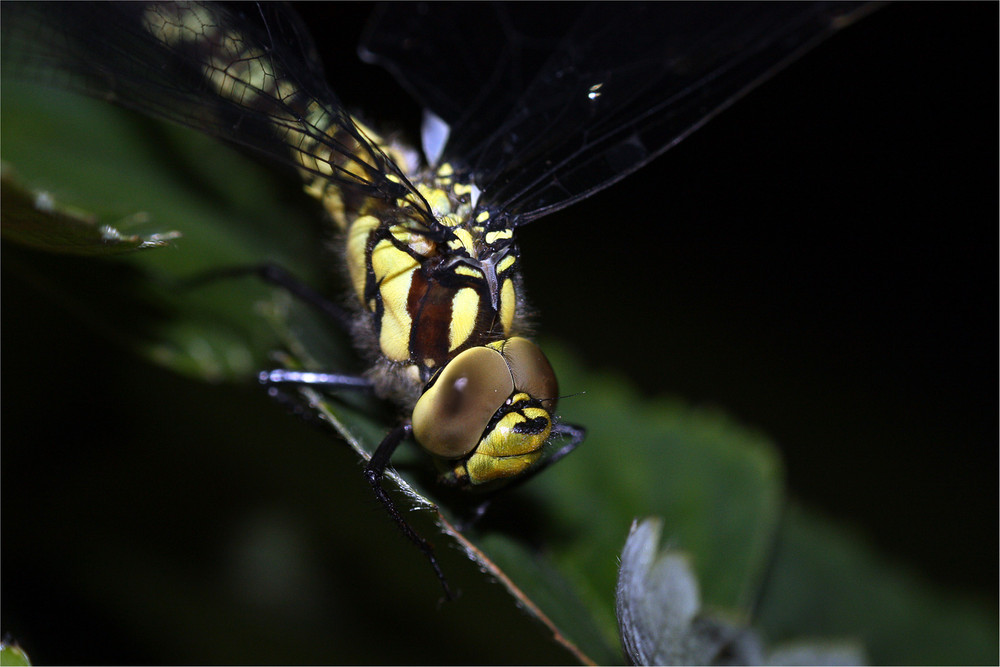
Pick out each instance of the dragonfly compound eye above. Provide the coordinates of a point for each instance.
(531, 370)
(451, 415)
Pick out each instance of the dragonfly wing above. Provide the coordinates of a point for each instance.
(251, 77)
(545, 112)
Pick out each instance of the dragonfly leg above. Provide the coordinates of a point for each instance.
(576, 435)
(374, 472)
(333, 381)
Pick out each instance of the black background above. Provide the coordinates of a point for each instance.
(820, 261)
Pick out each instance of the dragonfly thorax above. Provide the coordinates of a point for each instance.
(431, 280)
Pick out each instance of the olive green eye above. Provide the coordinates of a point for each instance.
(450, 417)
(532, 371)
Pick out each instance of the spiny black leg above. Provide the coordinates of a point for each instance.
(275, 275)
(374, 472)
(575, 433)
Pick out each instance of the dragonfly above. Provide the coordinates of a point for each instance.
(529, 108)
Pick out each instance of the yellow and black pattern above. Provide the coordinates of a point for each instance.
(495, 460)
(433, 281)
(330, 148)
(433, 298)
(488, 413)
(521, 126)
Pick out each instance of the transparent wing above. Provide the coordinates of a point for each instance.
(251, 77)
(548, 104)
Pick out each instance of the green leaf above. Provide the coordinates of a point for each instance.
(662, 621)
(719, 486)
(34, 219)
(12, 655)
(219, 209)
(825, 583)
(659, 609)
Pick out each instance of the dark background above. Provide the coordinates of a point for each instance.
(820, 261)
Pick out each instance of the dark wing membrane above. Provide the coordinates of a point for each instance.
(249, 77)
(470, 64)
(611, 87)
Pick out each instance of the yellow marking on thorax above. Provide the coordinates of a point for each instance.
(417, 242)
(247, 75)
(439, 202)
(464, 309)
(393, 270)
(470, 271)
(493, 237)
(506, 263)
(463, 239)
(508, 306)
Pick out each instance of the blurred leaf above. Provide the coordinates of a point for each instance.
(825, 583)
(35, 219)
(659, 609)
(12, 655)
(717, 487)
(662, 621)
(228, 212)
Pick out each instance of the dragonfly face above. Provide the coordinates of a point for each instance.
(522, 126)
(494, 391)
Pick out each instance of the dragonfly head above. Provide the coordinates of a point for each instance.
(487, 414)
